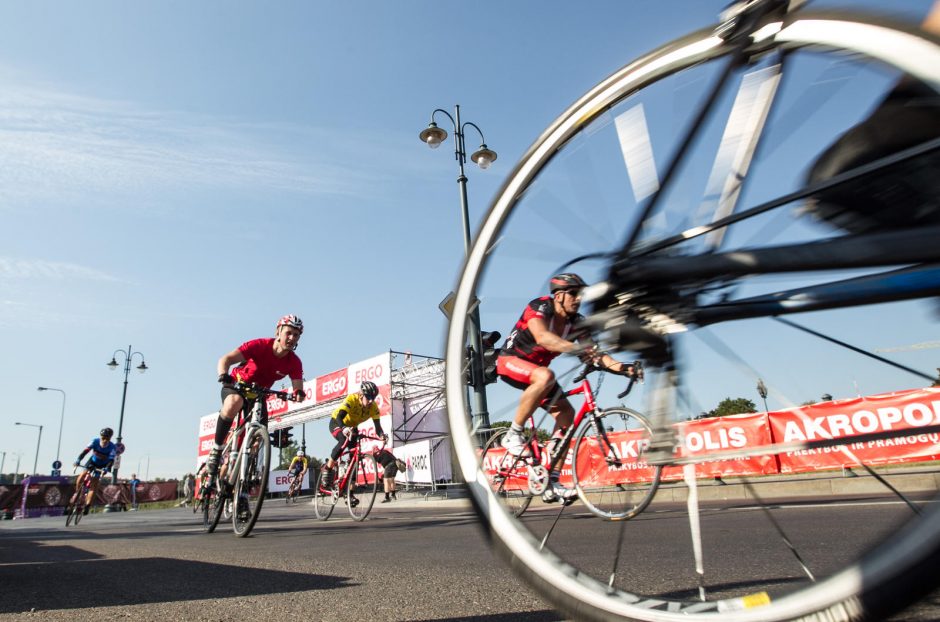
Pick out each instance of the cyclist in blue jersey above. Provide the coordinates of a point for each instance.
(103, 453)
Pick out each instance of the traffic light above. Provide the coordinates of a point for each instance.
(488, 341)
(490, 354)
(286, 435)
(281, 438)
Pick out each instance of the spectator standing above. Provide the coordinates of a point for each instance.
(134, 483)
(392, 466)
(188, 480)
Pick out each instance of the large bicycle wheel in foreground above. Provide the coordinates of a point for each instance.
(708, 188)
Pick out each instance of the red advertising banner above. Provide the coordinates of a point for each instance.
(332, 386)
(874, 413)
(716, 434)
(276, 406)
(699, 437)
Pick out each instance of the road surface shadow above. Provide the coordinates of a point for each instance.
(20, 551)
(40, 586)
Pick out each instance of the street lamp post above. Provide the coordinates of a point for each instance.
(762, 391)
(483, 157)
(128, 358)
(58, 449)
(38, 441)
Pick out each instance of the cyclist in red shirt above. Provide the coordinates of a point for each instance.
(262, 362)
(549, 326)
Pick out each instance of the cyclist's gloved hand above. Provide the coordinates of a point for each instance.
(299, 396)
(627, 370)
(226, 378)
(636, 371)
(75, 464)
(384, 437)
(347, 432)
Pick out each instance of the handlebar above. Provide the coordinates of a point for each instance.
(372, 437)
(250, 387)
(590, 367)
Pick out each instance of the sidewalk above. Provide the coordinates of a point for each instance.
(823, 484)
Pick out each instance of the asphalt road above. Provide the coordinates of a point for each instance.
(410, 561)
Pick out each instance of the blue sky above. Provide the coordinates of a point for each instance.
(177, 176)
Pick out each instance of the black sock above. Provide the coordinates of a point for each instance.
(222, 426)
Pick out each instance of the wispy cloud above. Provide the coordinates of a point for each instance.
(38, 269)
(60, 144)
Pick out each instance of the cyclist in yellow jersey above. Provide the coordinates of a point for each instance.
(298, 466)
(357, 408)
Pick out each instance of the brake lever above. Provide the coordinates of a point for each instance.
(588, 368)
(637, 375)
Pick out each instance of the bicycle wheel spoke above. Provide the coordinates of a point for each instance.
(610, 473)
(507, 475)
(362, 487)
(323, 500)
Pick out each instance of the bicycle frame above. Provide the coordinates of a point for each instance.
(91, 475)
(236, 448)
(588, 407)
(354, 452)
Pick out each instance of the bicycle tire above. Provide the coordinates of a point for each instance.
(213, 508)
(881, 581)
(614, 494)
(323, 504)
(251, 484)
(79, 513)
(293, 490)
(70, 517)
(497, 460)
(360, 492)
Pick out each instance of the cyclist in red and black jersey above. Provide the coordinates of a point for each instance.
(548, 327)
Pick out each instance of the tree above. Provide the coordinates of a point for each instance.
(735, 406)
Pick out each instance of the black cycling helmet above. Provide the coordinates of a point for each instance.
(107, 432)
(566, 280)
(369, 390)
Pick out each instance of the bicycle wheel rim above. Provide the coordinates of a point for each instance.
(252, 483)
(322, 507)
(503, 468)
(217, 509)
(846, 595)
(205, 507)
(614, 493)
(362, 486)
